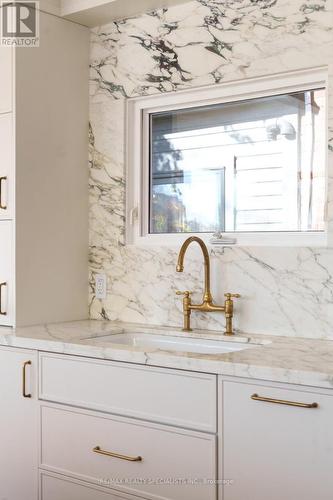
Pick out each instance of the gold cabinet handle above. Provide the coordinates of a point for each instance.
(256, 397)
(99, 450)
(2, 206)
(2, 313)
(24, 378)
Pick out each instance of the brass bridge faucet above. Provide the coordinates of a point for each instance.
(207, 304)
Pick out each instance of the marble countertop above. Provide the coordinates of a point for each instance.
(279, 359)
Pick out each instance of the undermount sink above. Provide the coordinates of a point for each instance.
(173, 343)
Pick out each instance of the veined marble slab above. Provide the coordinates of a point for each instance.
(288, 291)
(278, 359)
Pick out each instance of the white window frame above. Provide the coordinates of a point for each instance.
(137, 153)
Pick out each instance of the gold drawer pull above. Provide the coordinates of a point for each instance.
(24, 377)
(2, 313)
(256, 397)
(98, 450)
(2, 206)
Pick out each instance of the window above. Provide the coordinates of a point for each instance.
(247, 164)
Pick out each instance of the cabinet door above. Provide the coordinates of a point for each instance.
(6, 274)
(19, 425)
(6, 75)
(275, 451)
(6, 166)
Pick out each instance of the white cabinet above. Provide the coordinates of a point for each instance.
(7, 169)
(54, 487)
(121, 451)
(172, 397)
(171, 409)
(43, 171)
(19, 425)
(6, 273)
(273, 450)
(6, 71)
(273, 442)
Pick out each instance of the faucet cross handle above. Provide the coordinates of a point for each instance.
(232, 295)
(186, 293)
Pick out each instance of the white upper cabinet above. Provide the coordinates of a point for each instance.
(6, 274)
(6, 166)
(277, 444)
(44, 174)
(6, 75)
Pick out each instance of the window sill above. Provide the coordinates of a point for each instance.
(277, 239)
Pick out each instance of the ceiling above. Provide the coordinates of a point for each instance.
(98, 12)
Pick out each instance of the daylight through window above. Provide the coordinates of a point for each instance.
(252, 165)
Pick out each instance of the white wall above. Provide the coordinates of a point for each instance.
(52, 174)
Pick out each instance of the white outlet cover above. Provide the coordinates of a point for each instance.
(100, 286)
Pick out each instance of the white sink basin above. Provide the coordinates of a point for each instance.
(173, 343)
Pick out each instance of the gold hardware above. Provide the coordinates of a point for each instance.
(229, 311)
(98, 450)
(24, 376)
(2, 313)
(207, 304)
(186, 293)
(256, 397)
(186, 309)
(2, 207)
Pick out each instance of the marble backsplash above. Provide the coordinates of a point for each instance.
(285, 291)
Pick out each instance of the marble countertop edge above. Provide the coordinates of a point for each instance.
(277, 359)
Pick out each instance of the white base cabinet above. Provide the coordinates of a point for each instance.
(54, 487)
(154, 461)
(173, 397)
(272, 442)
(19, 429)
(276, 451)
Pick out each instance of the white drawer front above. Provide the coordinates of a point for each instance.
(166, 396)
(6, 72)
(62, 488)
(70, 436)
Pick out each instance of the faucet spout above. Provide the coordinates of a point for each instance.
(207, 298)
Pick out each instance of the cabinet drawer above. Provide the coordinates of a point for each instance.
(169, 396)
(6, 72)
(274, 450)
(56, 488)
(6, 166)
(167, 454)
(6, 273)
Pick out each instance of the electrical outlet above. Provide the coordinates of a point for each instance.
(100, 286)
